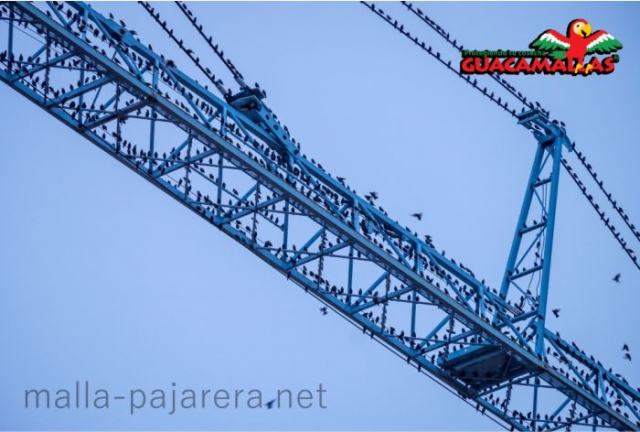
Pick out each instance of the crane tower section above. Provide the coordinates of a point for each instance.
(226, 157)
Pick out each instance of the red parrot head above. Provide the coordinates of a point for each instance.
(578, 27)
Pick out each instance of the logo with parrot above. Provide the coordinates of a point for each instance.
(552, 53)
(579, 41)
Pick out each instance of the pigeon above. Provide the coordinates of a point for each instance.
(270, 404)
(616, 278)
(324, 310)
(417, 215)
(556, 312)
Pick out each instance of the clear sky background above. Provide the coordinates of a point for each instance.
(105, 279)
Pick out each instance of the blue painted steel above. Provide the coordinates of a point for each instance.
(229, 160)
(551, 140)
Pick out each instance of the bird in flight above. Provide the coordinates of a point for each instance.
(417, 215)
(556, 312)
(625, 347)
(627, 356)
(323, 309)
(616, 278)
(270, 404)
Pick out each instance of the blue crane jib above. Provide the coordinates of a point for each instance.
(226, 157)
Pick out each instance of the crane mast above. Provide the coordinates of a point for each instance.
(227, 158)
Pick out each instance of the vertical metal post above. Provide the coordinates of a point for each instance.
(285, 228)
(546, 264)
(419, 269)
(118, 119)
(544, 177)
(350, 275)
(254, 216)
(220, 185)
(152, 127)
(82, 71)
(12, 16)
(48, 69)
(524, 212)
(187, 168)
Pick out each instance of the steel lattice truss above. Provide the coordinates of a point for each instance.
(228, 159)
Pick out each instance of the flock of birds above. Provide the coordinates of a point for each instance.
(373, 229)
(504, 105)
(556, 311)
(452, 66)
(625, 347)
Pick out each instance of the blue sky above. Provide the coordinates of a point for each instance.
(105, 279)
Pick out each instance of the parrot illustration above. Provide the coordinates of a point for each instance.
(578, 42)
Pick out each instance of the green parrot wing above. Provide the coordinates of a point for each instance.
(550, 41)
(602, 42)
